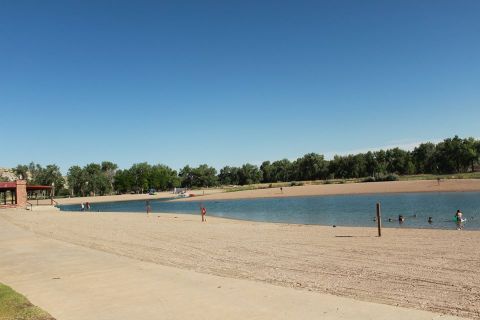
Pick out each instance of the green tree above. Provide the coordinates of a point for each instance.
(186, 176)
(109, 170)
(124, 181)
(249, 174)
(163, 178)
(281, 170)
(267, 172)
(311, 166)
(96, 183)
(371, 164)
(22, 172)
(399, 161)
(469, 154)
(76, 181)
(229, 176)
(451, 156)
(202, 176)
(424, 158)
(49, 176)
(140, 173)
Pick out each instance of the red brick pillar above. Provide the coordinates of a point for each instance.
(21, 193)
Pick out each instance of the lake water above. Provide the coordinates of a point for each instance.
(340, 210)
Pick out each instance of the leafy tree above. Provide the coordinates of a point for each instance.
(140, 173)
(399, 161)
(450, 155)
(205, 176)
(281, 170)
(371, 164)
(163, 178)
(249, 174)
(267, 172)
(424, 158)
(109, 169)
(202, 176)
(124, 181)
(96, 183)
(22, 172)
(229, 176)
(311, 166)
(76, 181)
(469, 154)
(381, 158)
(49, 176)
(186, 176)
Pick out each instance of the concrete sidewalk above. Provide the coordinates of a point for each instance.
(76, 283)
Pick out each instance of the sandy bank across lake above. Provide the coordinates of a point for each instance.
(460, 185)
(457, 185)
(431, 270)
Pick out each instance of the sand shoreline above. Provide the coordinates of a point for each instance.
(458, 185)
(413, 268)
(417, 186)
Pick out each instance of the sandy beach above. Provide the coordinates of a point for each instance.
(431, 270)
(453, 185)
(460, 185)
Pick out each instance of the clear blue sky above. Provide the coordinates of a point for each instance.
(230, 82)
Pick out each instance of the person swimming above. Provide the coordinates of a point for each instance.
(401, 218)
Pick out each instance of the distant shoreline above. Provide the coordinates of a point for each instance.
(411, 186)
(415, 186)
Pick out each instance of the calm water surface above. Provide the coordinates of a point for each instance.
(341, 210)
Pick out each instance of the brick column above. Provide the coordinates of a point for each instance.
(21, 193)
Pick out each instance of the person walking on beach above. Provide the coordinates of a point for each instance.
(204, 213)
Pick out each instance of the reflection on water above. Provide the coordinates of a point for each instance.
(406, 210)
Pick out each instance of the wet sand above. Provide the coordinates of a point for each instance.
(432, 270)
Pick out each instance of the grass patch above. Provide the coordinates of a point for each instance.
(263, 186)
(467, 175)
(14, 306)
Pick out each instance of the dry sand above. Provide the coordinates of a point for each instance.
(77, 283)
(432, 270)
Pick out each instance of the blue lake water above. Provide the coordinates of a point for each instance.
(340, 210)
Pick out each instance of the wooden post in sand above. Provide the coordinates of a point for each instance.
(379, 219)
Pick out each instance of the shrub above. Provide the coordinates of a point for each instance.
(391, 177)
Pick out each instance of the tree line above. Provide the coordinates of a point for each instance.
(452, 155)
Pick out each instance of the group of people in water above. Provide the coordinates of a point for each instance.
(458, 218)
(85, 206)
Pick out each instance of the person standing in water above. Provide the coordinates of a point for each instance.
(458, 215)
(149, 208)
(458, 219)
